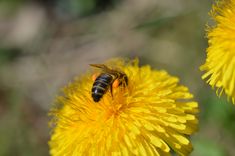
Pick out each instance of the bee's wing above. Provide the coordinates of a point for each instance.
(106, 68)
(101, 66)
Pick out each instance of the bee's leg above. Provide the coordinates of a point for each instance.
(125, 80)
(111, 90)
(115, 84)
(123, 83)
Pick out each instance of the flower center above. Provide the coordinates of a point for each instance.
(115, 111)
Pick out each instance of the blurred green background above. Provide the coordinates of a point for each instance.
(45, 44)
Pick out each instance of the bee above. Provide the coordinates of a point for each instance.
(107, 79)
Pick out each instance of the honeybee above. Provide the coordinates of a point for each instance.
(107, 79)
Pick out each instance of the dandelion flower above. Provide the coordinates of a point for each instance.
(220, 62)
(152, 116)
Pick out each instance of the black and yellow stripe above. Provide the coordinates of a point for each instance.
(101, 85)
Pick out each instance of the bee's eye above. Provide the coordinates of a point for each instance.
(115, 83)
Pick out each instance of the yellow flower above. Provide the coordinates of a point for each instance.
(152, 116)
(220, 63)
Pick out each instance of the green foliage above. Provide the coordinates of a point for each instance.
(76, 7)
(204, 147)
(8, 54)
(10, 5)
(155, 23)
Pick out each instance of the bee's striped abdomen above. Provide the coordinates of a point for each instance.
(100, 86)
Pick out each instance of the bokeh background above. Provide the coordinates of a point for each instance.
(44, 44)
